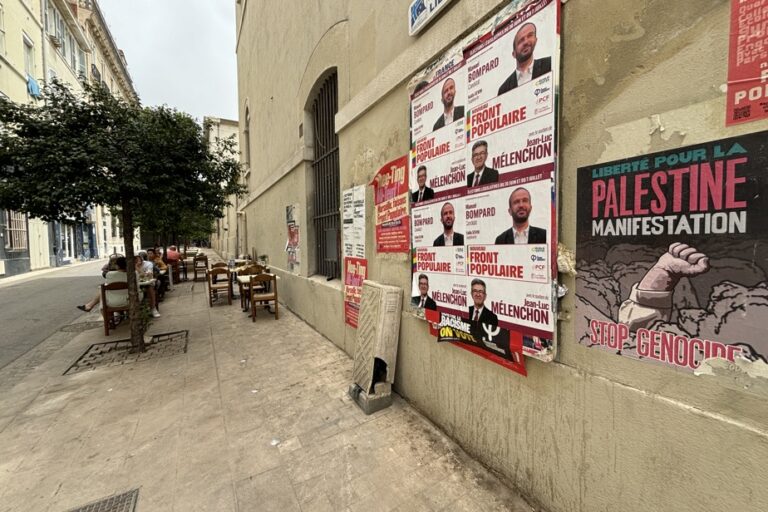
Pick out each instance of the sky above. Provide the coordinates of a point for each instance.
(180, 53)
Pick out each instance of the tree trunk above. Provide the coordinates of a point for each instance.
(134, 311)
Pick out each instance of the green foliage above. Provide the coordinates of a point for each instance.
(72, 152)
(152, 164)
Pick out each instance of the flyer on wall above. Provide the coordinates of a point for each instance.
(483, 175)
(391, 196)
(747, 98)
(673, 254)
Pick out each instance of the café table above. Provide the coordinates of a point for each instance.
(242, 283)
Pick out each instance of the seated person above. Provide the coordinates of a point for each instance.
(119, 298)
(110, 265)
(154, 256)
(147, 268)
(172, 255)
(116, 298)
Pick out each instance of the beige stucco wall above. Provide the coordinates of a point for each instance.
(591, 431)
(224, 236)
(20, 19)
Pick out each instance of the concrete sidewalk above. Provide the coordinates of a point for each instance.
(254, 416)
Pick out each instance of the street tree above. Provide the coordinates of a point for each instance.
(70, 152)
(186, 220)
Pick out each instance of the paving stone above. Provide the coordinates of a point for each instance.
(243, 420)
(267, 492)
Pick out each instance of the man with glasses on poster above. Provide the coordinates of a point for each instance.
(424, 193)
(423, 300)
(482, 175)
(478, 313)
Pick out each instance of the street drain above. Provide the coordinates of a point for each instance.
(125, 502)
(81, 326)
(116, 353)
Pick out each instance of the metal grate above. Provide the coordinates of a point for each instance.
(116, 353)
(16, 231)
(326, 173)
(125, 502)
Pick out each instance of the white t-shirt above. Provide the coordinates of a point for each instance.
(116, 298)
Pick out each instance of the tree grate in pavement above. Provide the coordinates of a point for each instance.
(81, 326)
(125, 502)
(116, 353)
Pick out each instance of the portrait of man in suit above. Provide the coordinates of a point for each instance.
(478, 313)
(482, 175)
(424, 193)
(423, 300)
(449, 237)
(521, 232)
(450, 113)
(527, 67)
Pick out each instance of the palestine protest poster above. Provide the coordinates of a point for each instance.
(748, 62)
(391, 196)
(483, 176)
(673, 254)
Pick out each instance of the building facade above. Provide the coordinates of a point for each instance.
(228, 237)
(24, 241)
(588, 431)
(70, 41)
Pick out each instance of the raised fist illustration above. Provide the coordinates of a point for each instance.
(680, 260)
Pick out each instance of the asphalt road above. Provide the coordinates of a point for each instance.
(34, 307)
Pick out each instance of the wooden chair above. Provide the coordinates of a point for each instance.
(250, 270)
(221, 286)
(175, 267)
(108, 311)
(200, 266)
(268, 293)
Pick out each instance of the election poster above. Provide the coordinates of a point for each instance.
(499, 345)
(672, 254)
(292, 243)
(355, 272)
(391, 196)
(483, 175)
(748, 62)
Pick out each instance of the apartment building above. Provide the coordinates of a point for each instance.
(68, 40)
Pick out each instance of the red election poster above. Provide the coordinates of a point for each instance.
(355, 272)
(483, 173)
(390, 192)
(748, 62)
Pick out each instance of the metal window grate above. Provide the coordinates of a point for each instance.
(16, 231)
(125, 502)
(326, 174)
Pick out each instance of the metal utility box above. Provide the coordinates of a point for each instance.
(378, 333)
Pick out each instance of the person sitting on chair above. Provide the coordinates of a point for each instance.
(162, 278)
(116, 298)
